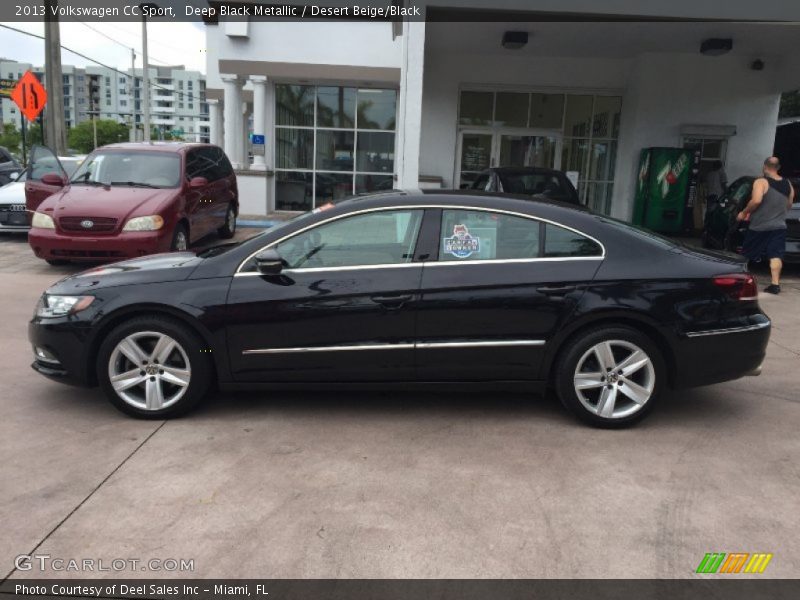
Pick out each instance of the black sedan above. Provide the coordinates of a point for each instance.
(528, 181)
(464, 290)
(722, 231)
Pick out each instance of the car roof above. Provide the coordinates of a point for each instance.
(155, 146)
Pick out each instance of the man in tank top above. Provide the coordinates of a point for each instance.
(766, 236)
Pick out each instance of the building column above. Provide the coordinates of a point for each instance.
(234, 120)
(410, 109)
(214, 131)
(259, 115)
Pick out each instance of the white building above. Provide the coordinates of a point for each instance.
(177, 97)
(353, 105)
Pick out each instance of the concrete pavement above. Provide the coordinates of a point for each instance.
(425, 485)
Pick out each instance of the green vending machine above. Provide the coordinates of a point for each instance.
(666, 189)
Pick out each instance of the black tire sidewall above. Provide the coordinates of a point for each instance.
(575, 349)
(199, 362)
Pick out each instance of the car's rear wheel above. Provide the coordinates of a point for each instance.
(229, 228)
(154, 368)
(180, 239)
(610, 376)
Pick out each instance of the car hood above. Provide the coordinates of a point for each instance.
(95, 201)
(12, 193)
(156, 268)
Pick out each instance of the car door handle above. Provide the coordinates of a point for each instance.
(555, 289)
(392, 302)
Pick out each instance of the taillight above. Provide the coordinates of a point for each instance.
(739, 286)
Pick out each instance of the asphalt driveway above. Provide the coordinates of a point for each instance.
(425, 485)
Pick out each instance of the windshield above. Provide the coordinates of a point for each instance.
(130, 168)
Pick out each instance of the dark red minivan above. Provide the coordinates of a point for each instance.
(128, 200)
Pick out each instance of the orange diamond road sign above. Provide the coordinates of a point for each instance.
(29, 95)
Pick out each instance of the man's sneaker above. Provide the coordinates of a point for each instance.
(773, 289)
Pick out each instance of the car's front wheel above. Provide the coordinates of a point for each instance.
(154, 368)
(180, 239)
(610, 376)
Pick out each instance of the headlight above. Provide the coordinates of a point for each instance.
(42, 221)
(58, 306)
(144, 223)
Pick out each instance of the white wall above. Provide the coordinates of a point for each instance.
(666, 91)
(252, 193)
(445, 73)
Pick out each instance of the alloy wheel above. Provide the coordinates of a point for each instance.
(149, 370)
(181, 243)
(614, 379)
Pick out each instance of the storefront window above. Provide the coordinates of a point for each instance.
(331, 142)
(511, 109)
(547, 111)
(476, 108)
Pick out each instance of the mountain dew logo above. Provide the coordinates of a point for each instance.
(670, 173)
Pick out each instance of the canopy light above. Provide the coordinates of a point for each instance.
(716, 46)
(514, 40)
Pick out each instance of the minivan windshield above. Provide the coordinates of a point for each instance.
(132, 168)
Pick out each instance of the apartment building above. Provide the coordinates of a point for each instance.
(177, 97)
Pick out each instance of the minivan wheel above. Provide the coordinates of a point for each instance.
(180, 239)
(610, 376)
(153, 368)
(229, 228)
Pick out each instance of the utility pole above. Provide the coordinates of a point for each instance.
(55, 135)
(132, 94)
(145, 81)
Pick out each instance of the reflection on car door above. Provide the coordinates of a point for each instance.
(342, 310)
(42, 162)
(502, 285)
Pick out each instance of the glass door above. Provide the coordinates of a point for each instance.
(479, 150)
(474, 155)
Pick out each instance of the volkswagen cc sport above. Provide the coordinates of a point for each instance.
(455, 288)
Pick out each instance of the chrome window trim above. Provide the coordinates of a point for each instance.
(602, 256)
(400, 346)
(743, 329)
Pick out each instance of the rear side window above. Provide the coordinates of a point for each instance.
(560, 242)
(484, 235)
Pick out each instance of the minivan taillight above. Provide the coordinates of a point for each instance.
(739, 286)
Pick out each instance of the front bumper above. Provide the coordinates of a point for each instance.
(65, 345)
(52, 245)
(717, 355)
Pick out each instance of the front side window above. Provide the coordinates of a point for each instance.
(377, 238)
(483, 235)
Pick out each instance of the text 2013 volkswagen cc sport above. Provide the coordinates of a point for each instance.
(412, 288)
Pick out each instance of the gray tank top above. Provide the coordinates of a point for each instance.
(771, 214)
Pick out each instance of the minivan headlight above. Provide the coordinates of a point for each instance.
(151, 223)
(42, 221)
(51, 305)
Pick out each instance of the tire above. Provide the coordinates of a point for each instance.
(56, 262)
(171, 379)
(180, 239)
(229, 228)
(583, 354)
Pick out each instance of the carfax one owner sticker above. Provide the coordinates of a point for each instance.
(462, 244)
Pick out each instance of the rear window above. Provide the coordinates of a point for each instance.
(533, 184)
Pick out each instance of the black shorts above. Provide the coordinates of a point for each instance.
(764, 244)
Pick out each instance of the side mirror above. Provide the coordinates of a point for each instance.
(13, 176)
(53, 179)
(197, 182)
(269, 262)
